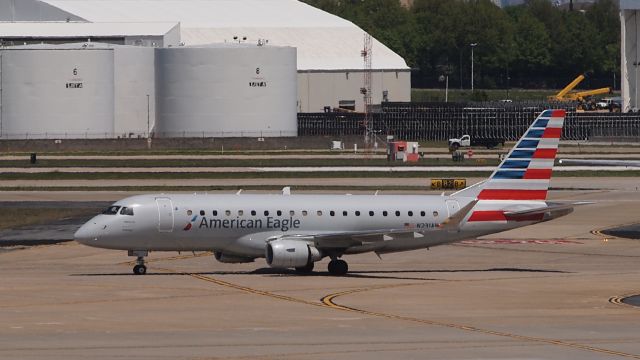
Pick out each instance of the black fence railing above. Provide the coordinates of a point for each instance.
(441, 121)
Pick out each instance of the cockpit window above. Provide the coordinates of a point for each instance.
(111, 210)
(126, 211)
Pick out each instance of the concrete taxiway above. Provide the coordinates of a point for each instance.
(549, 291)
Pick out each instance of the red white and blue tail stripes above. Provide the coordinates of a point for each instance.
(522, 180)
(525, 172)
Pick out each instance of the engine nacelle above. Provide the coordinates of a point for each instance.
(231, 259)
(291, 253)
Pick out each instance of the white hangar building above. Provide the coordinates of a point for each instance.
(329, 63)
(630, 57)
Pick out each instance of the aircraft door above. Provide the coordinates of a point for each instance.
(452, 207)
(165, 214)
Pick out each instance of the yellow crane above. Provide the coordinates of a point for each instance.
(567, 95)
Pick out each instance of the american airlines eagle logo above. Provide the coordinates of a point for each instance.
(190, 223)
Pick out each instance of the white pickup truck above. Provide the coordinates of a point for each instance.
(467, 141)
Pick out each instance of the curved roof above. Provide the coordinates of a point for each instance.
(324, 41)
(75, 29)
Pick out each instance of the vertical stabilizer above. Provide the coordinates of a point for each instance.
(521, 182)
(526, 172)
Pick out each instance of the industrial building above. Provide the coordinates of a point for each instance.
(330, 68)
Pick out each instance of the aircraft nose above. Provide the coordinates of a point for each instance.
(87, 234)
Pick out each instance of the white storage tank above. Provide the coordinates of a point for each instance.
(134, 82)
(226, 90)
(53, 91)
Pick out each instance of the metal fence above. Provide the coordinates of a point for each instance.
(441, 121)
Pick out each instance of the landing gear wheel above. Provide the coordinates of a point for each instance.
(305, 269)
(139, 269)
(338, 267)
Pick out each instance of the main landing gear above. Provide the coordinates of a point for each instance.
(140, 268)
(338, 267)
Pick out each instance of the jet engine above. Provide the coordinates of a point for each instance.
(291, 253)
(231, 258)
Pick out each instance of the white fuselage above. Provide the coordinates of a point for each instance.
(242, 224)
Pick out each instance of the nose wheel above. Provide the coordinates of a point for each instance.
(139, 268)
(338, 267)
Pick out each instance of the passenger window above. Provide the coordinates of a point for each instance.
(292, 213)
(126, 211)
(201, 212)
(227, 212)
(344, 213)
(370, 213)
(423, 214)
(253, 213)
(215, 212)
(410, 213)
(435, 214)
(304, 213)
(385, 213)
(111, 210)
(279, 212)
(266, 213)
(332, 213)
(189, 212)
(357, 213)
(397, 213)
(240, 212)
(319, 213)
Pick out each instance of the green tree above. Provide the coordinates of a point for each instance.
(532, 49)
(537, 43)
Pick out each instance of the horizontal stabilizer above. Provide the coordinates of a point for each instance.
(552, 208)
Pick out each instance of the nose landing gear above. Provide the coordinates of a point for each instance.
(140, 268)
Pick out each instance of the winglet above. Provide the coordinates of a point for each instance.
(454, 221)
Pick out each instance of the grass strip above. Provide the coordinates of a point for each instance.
(235, 175)
(11, 218)
(171, 163)
(290, 175)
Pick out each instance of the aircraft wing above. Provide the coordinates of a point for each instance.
(597, 162)
(347, 239)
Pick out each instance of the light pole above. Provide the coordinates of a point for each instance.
(445, 79)
(473, 45)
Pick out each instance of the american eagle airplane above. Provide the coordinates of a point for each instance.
(295, 231)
